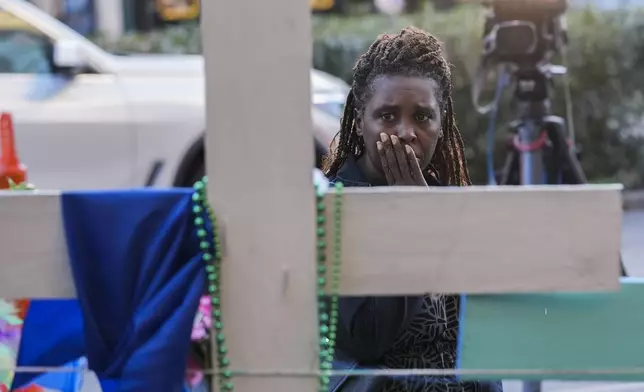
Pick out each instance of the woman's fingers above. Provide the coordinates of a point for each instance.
(386, 167)
(399, 162)
(401, 158)
(414, 165)
(391, 157)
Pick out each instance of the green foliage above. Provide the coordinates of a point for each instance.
(180, 39)
(606, 75)
(24, 186)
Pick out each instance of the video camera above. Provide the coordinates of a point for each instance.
(523, 32)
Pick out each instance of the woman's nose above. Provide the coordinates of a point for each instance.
(406, 133)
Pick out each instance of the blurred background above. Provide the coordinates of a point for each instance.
(605, 57)
(605, 60)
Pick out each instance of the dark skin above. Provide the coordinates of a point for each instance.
(401, 126)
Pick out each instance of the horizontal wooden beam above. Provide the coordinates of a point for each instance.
(395, 241)
(33, 253)
(592, 336)
(479, 239)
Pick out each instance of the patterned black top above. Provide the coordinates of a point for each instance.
(427, 341)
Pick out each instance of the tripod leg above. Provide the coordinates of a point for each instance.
(568, 158)
(510, 168)
(622, 267)
(565, 156)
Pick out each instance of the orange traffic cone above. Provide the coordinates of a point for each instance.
(10, 166)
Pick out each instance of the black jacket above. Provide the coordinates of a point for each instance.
(369, 326)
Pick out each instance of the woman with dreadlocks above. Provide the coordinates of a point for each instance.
(398, 129)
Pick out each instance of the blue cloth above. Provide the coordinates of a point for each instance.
(52, 335)
(67, 382)
(139, 276)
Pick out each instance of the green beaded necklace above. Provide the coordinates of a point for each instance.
(212, 259)
(327, 307)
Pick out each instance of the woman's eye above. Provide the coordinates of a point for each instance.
(422, 117)
(388, 117)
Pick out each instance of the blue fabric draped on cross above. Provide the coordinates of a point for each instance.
(138, 273)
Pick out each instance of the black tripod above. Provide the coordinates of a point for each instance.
(539, 149)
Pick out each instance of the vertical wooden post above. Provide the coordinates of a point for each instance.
(259, 154)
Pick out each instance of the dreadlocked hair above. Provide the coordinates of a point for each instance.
(412, 52)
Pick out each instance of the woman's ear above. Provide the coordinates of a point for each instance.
(358, 119)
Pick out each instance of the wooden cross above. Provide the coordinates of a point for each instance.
(396, 240)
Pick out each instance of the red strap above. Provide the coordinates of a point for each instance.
(535, 145)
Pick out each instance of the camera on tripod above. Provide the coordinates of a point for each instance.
(523, 32)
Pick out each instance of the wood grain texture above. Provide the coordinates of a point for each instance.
(33, 252)
(480, 239)
(566, 243)
(567, 332)
(259, 157)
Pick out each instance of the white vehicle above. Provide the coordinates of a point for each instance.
(89, 119)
